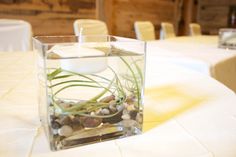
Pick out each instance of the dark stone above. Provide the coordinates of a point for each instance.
(65, 120)
(53, 118)
(90, 122)
(55, 125)
(114, 119)
(76, 123)
(108, 99)
(130, 99)
(133, 114)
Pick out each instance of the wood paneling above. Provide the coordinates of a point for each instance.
(214, 14)
(188, 16)
(125, 12)
(48, 17)
(56, 17)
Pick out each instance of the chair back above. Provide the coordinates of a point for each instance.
(167, 30)
(195, 29)
(90, 27)
(15, 35)
(144, 30)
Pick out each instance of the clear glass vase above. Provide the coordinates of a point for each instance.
(90, 88)
(227, 38)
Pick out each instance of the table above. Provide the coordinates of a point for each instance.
(199, 53)
(186, 114)
(15, 35)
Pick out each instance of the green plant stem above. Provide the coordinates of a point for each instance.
(82, 105)
(50, 82)
(64, 82)
(119, 85)
(139, 71)
(74, 85)
(62, 76)
(59, 70)
(135, 80)
(103, 92)
(91, 104)
(94, 99)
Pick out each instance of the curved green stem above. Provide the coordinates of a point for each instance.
(74, 85)
(64, 82)
(119, 85)
(135, 79)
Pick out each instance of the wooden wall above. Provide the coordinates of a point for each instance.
(120, 15)
(213, 14)
(56, 17)
(188, 15)
(48, 17)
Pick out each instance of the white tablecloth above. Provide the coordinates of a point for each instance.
(187, 114)
(199, 53)
(15, 35)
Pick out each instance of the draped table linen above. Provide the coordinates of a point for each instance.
(185, 114)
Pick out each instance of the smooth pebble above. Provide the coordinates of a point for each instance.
(125, 116)
(65, 130)
(105, 111)
(119, 107)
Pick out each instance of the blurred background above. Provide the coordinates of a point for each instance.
(56, 17)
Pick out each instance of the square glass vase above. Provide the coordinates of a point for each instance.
(90, 88)
(227, 38)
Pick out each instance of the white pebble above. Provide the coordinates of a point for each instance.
(112, 102)
(119, 107)
(105, 111)
(126, 105)
(65, 130)
(54, 131)
(125, 111)
(112, 108)
(92, 114)
(98, 112)
(129, 123)
(125, 116)
(130, 108)
(139, 118)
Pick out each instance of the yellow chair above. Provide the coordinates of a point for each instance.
(195, 29)
(167, 30)
(144, 30)
(90, 27)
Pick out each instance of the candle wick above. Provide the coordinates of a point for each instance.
(80, 34)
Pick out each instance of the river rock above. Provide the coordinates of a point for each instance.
(130, 99)
(107, 98)
(130, 107)
(90, 122)
(98, 112)
(65, 120)
(139, 118)
(125, 116)
(133, 114)
(65, 130)
(105, 111)
(76, 123)
(112, 108)
(55, 125)
(119, 107)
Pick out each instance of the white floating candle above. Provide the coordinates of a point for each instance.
(81, 59)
